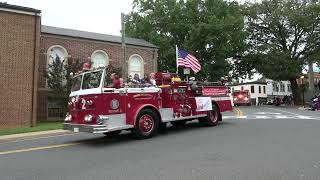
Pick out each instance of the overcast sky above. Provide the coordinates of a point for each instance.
(101, 16)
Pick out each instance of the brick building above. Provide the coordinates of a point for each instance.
(105, 49)
(19, 52)
(26, 49)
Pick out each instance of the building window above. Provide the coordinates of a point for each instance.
(57, 53)
(289, 87)
(98, 58)
(252, 89)
(281, 87)
(136, 66)
(275, 87)
(259, 89)
(264, 89)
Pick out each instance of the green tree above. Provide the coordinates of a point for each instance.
(211, 29)
(59, 79)
(283, 36)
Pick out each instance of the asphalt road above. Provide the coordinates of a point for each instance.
(260, 143)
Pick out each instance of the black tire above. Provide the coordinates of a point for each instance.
(147, 124)
(213, 117)
(178, 124)
(112, 133)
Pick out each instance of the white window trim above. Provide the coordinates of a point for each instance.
(56, 46)
(142, 64)
(48, 52)
(101, 51)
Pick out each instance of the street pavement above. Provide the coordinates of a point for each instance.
(252, 143)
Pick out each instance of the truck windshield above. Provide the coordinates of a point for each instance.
(92, 80)
(76, 83)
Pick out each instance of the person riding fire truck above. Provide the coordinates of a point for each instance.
(98, 107)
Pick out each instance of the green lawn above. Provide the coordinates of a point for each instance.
(41, 126)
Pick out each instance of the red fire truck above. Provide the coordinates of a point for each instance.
(96, 108)
(241, 97)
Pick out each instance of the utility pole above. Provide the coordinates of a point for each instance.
(311, 76)
(123, 50)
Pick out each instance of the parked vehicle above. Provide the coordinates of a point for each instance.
(94, 107)
(277, 101)
(270, 102)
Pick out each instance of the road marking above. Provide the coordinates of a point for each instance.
(38, 148)
(241, 113)
(236, 110)
(269, 113)
(241, 117)
(269, 117)
(282, 117)
(262, 117)
(36, 138)
(228, 117)
(234, 117)
(298, 115)
(285, 111)
(307, 117)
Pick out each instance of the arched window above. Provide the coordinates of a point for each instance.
(57, 53)
(99, 57)
(136, 65)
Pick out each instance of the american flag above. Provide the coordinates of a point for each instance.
(187, 60)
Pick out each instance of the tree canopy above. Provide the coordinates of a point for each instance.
(213, 30)
(283, 36)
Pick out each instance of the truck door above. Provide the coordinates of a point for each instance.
(114, 99)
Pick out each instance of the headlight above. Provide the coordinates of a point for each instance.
(68, 117)
(234, 99)
(246, 99)
(88, 118)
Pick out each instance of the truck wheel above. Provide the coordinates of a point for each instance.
(147, 124)
(178, 124)
(212, 118)
(112, 133)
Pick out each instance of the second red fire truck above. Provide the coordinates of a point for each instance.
(241, 97)
(96, 108)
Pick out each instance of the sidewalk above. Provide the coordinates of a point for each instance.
(31, 135)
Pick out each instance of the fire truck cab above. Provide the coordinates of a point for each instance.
(241, 97)
(144, 109)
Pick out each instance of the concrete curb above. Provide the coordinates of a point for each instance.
(25, 136)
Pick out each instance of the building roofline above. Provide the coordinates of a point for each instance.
(94, 36)
(18, 8)
(255, 82)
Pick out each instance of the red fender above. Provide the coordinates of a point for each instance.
(131, 117)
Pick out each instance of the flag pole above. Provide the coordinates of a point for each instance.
(177, 58)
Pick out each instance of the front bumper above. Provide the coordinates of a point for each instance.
(96, 129)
